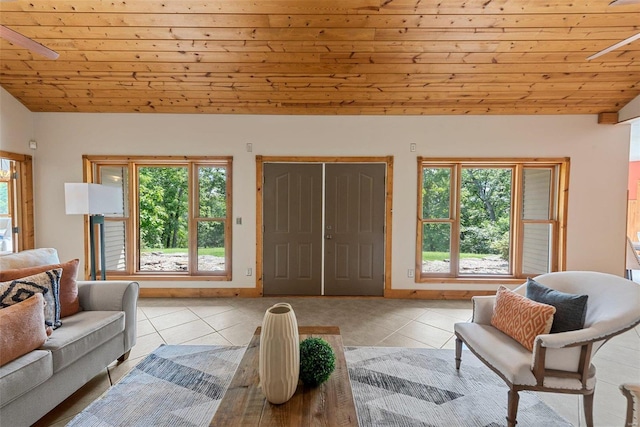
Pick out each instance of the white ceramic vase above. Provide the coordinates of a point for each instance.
(279, 363)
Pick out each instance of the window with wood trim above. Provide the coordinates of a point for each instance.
(490, 219)
(177, 216)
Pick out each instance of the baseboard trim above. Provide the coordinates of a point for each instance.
(434, 294)
(254, 293)
(199, 292)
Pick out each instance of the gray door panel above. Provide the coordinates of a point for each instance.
(354, 229)
(292, 243)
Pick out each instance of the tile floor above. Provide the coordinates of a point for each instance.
(363, 321)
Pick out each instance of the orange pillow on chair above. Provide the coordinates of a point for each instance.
(69, 302)
(521, 318)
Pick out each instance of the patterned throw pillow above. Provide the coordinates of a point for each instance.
(47, 284)
(521, 318)
(69, 302)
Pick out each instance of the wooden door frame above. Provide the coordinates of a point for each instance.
(24, 196)
(261, 160)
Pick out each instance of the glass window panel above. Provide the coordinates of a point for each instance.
(536, 193)
(436, 247)
(163, 218)
(115, 248)
(212, 187)
(436, 193)
(485, 220)
(6, 234)
(4, 198)
(8, 217)
(536, 249)
(211, 251)
(117, 176)
(5, 169)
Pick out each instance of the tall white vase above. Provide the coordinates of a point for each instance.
(279, 364)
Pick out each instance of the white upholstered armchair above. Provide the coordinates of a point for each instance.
(632, 393)
(559, 362)
(633, 261)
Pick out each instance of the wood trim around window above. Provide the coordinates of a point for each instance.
(24, 198)
(90, 161)
(560, 182)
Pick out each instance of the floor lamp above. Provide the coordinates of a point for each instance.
(94, 200)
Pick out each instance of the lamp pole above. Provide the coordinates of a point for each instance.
(98, 220)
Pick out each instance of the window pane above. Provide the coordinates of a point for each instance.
(212, 183)
(436, 248)
(537, 193)
(114, 231)
(115, 248)
(163, 218)
(436, 193)
(117, 176)
(6, 221)
(536, 248)
(211, 251)
(485, 220)
(4, 198)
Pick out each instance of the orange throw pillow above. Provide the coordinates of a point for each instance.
(69, 302)
(22, 328)
(521, 318)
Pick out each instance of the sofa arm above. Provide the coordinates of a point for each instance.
(113, 296)
(483, 309)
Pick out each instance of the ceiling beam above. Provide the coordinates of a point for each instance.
(608, 118)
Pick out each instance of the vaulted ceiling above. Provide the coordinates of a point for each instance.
(323, 56)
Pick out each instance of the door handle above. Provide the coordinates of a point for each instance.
(328, 237)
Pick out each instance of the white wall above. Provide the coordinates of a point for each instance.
(597, 198)
(16, 124)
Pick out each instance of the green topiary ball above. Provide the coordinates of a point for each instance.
(317, 361)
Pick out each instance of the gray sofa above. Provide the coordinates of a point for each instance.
(88, 341)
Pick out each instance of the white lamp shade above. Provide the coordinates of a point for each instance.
(92, 199)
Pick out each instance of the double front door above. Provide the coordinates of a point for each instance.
(323, 229)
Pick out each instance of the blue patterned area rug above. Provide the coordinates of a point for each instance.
(421, 387)
(176, 385)
(183, 385)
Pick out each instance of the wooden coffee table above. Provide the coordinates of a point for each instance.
(329, 404)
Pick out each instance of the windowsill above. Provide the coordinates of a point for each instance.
(474, 280)
(169, 277)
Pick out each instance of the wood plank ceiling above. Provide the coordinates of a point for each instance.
(323, 56)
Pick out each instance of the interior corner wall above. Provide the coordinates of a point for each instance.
(598, 176)
(16, 124)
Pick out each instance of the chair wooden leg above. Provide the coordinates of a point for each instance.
(512, 408)
(458, 352)
(587, 401)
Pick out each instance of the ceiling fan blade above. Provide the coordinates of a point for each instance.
(25, 42)
(623, 2)
(615, 46)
